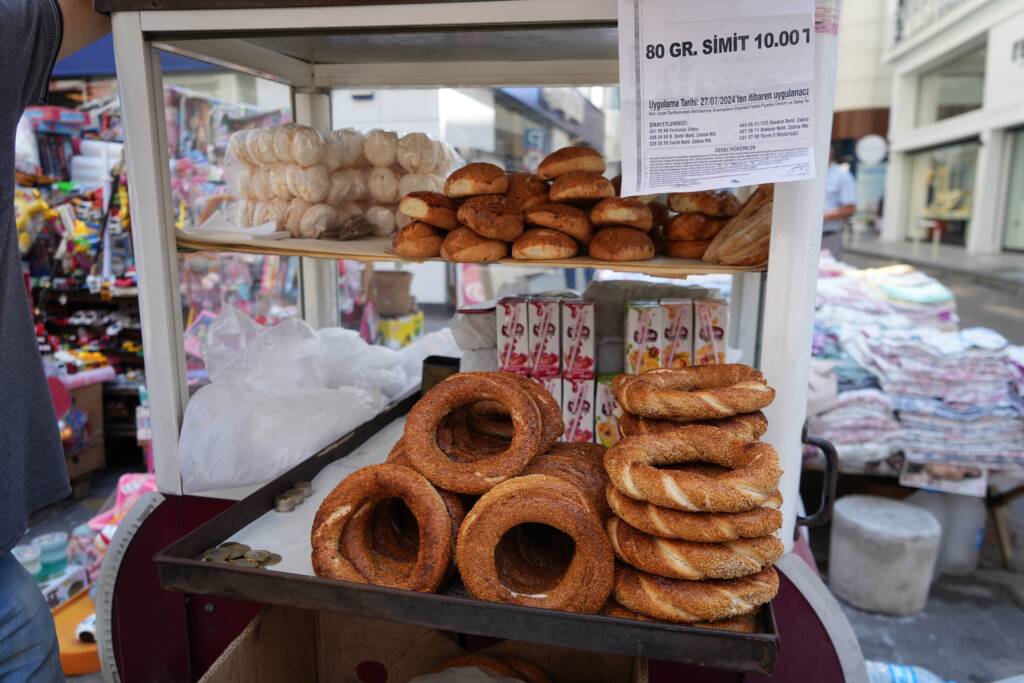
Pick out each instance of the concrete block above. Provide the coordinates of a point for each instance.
(882, 554)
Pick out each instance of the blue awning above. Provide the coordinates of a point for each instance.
(97, 61)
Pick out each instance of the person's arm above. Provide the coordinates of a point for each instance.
(847, 200)
(82, 26)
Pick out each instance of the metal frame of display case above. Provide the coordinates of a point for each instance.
(490, 42)
(431, 41)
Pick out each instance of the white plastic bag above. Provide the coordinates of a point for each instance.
(277, 395)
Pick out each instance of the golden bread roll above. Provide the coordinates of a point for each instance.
(492, 216)
(622, 211)
(581, 186)
(417, 240)
(645, 198)
(693, 226)
(526, 190)
(538, 244)
(686, 248)
(707, 202)
(462, 245)
(564, 218)
(474, 179)
(432, 208)
(621, 244)
(569, 160)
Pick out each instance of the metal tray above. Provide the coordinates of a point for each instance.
(451, 611)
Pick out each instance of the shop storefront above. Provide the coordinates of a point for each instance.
(957, 157)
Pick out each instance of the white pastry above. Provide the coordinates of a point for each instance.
(380, 147)
(382, 184)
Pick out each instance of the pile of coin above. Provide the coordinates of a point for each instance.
(240, 555)
(286, 502)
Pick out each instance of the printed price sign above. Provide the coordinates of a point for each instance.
(715, 93)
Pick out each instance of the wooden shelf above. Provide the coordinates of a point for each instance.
(372, 249)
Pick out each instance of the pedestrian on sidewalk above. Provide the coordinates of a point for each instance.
(840, 203)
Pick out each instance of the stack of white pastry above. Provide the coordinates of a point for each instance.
(344, 183)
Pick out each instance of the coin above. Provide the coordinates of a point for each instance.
(305, 487)
(233, 544)
(235, 553)
(257, 555)
(271, 560)
(242, 562)
(296, 494)
(216, 555)
(283, 503)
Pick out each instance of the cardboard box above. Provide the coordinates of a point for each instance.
(643, 336)
(513, 335)
(288, 644)
(578, 409)
(578, 357)
(710, 320)
(553, 385)
(606, 413)
(545, 325)
(676, 333)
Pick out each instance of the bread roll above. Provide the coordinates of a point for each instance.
(564, 218)
(417, 241)
(356, 179)
(283, 142)
(430, 207)
(621, 244)
(474, 179)
(570, 160)
(693, 226)
(380, 147)
(644, 198)
(492, 216)
(333, 156)
(382, 184)
(350, 141)
(537, 244)
(526, 190)
(277, 181)
(707, 202)
(293, 217)
(309, 184)
(581, 187)
(237, 147)
(462, 245)
(307, 146)
(417, 153)
(622, 211)
(686, 248)
(415, 182)
(382, 218)
(317, 220)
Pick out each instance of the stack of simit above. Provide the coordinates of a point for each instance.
(695, 497)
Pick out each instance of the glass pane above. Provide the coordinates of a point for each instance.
(1014, 235)
(941, 192)
(955, 88)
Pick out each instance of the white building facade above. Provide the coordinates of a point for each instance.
(956, 129)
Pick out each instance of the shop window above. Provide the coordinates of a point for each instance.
(1013, 237)
(942, 192)
(954, 88)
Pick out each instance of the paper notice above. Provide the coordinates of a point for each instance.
(715, 94)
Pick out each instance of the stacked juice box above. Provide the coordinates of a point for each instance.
(551, 340)
(674, 333)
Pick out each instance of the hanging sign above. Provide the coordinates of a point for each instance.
(715, 93)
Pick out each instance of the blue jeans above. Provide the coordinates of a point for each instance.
(28, 643)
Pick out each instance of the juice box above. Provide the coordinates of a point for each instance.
(513, 337)
(606, 413)
(710, 319)
(578, 409)
(553, 385)
(578, 357)
(676, 333)
(545, 332)
(643, 333)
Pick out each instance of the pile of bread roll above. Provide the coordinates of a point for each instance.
(713, 226)
(568, 207)
(340, 184)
